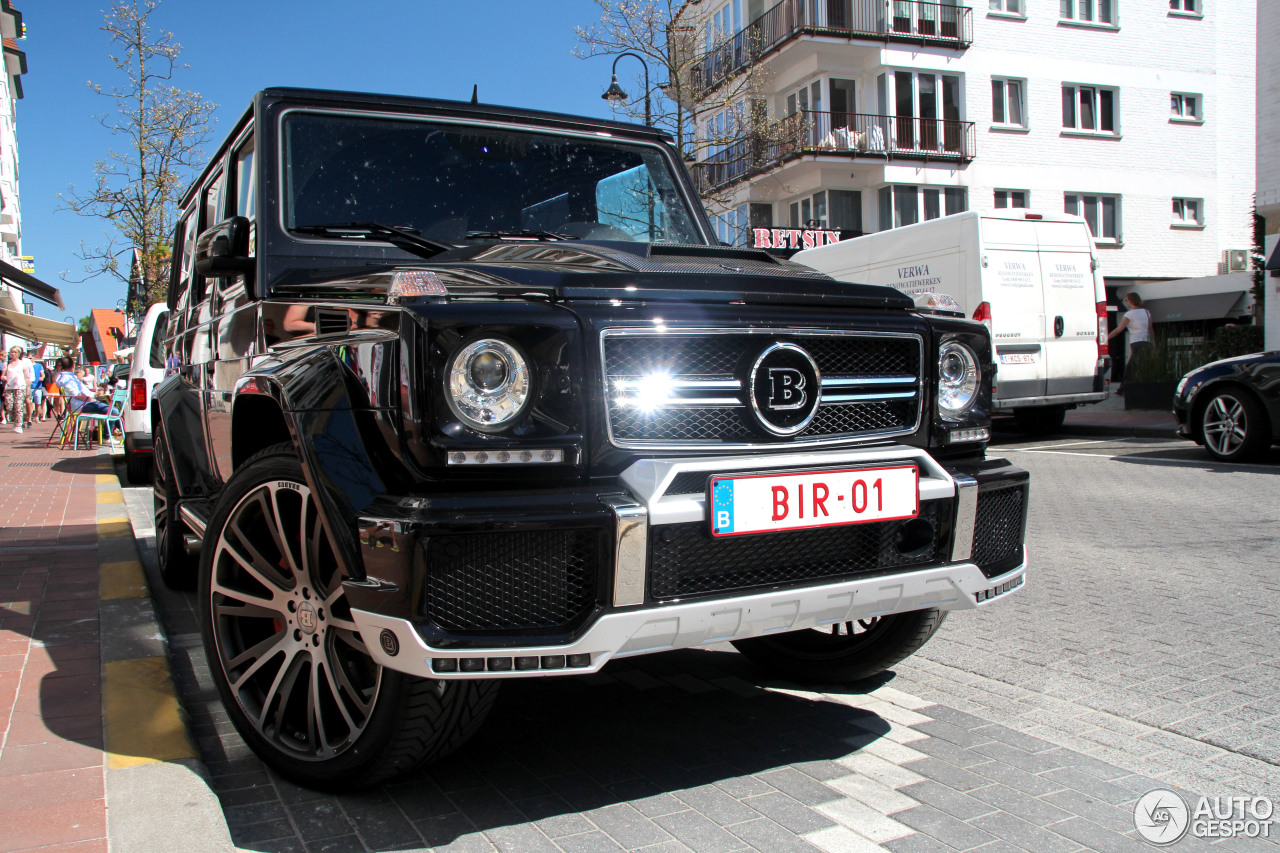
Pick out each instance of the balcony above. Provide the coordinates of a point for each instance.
(852, 135)
(907, 21)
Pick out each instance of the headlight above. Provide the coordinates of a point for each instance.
(488, 384)
(958, 376)
(1181, 384)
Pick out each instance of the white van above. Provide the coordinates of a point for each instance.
(146, 371)
(1031, 277)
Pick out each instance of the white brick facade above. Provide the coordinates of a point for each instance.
(1149, 54)
(1268, 94)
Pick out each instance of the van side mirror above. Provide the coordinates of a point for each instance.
(223, 250)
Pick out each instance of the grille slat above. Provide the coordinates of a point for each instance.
(686, 562)
(727, 356)
(510, 581)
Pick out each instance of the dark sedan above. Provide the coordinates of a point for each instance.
(1232, 406)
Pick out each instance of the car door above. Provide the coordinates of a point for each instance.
(1013, 286)
(1071, 317)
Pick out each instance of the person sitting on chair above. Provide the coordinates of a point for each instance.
(79, 398)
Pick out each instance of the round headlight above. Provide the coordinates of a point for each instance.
(958, 376)
(488, 384)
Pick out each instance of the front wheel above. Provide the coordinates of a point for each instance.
(177, 567)
(845, 651)
(289, 661)
(1233, 426)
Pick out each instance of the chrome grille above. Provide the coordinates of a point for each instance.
(871, 386)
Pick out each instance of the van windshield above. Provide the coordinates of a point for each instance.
(452, 183)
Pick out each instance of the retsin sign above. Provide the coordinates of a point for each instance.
(792, 238)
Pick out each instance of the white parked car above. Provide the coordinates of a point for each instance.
(147, 372)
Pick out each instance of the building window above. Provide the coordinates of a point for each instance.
(1007, 105)
(1188, 212)
(732, 226)
(1011, 198)
(1102, 212)
(1090, 108)
(845, 210)
(1011, 7)
(1185, 106)
(903, 205)
(809, 212)
(1189, 6)
(1089, 11)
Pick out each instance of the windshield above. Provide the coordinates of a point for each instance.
(448, 181)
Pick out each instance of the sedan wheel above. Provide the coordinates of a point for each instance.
(288, 659)
(1233, 426)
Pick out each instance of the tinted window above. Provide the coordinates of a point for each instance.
(156, 356)
(447, 181)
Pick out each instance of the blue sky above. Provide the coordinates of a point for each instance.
(518, 51)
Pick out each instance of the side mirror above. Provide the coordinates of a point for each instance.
(223, 250)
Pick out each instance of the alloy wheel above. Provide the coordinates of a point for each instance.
(1226, 425)
(290, 651)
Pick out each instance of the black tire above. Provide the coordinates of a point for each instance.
(1040, 420)
(281, 644)
(1233, 426)
(177, 567)
(845, 652)
(137, 468)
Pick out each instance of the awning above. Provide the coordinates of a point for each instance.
(1210, 297)
(28, 283)
(37, 328)
(1273, 263)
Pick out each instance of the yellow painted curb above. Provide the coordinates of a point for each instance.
(107, 478)
(143, 720)
(122, 580)
(114, 528)
(116, 497)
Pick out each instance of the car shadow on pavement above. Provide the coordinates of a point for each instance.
(647, 740)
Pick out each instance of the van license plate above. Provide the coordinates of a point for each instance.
(767, 503)
(1018, 358)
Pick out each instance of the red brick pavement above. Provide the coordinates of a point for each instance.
(51, 759)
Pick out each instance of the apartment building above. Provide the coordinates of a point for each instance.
(871, 114)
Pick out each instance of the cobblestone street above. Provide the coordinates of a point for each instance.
(1034, 725)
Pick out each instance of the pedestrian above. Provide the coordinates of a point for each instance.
(37, 391)
(78, 396)
(52, 400)
(1138, 321)
(17, 387)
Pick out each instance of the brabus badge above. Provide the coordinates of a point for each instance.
(785, 388)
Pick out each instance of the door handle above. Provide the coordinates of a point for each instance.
(1059, 326)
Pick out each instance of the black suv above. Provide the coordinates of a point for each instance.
(471, 393)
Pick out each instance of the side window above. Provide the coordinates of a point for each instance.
(247, 189)
(156, 356)
(213, 202)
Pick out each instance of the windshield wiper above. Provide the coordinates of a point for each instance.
(400, 236)
(527, 233)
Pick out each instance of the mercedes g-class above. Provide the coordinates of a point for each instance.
(470, 393)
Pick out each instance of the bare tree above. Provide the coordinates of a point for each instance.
(702, 91)
(136, 190)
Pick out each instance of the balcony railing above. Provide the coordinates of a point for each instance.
(839, 134)
(897, 20)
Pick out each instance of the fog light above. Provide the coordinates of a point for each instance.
(473, 664)
(526, 663)
(499, 664)
(549, 455)
(579, 660)
(553, 661)
(445, 664)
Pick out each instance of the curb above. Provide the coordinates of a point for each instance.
(1109, 430)
(153, 772)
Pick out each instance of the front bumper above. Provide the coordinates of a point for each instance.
(443, 573)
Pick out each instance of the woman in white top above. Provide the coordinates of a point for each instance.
(17, 387)
(1138, 321)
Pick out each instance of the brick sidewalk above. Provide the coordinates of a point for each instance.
(52, 787)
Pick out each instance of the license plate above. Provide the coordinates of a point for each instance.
(1018, 358)
(767, 503)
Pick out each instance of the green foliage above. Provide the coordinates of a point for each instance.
(1230, 341)
(84, 323)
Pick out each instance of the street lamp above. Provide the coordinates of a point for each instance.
(617, 97)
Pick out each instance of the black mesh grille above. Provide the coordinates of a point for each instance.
(997, 528)
(685, 561)
(689, 483)
(506, 581)
(727, 356)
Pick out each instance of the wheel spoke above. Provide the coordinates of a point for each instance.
(337, 691)
(253, 670)
(271, 511)
(283, 687)
(351, 637)
(315, 714)
(263, 649)
(254, 564)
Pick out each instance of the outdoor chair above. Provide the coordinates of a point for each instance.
(111, 421)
